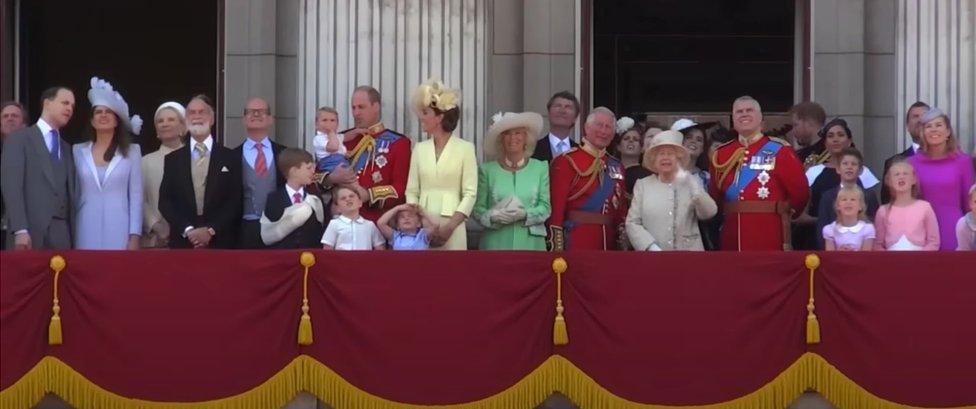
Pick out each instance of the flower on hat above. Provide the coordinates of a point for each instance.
(624, 124)
(102, 94)
(435, 94)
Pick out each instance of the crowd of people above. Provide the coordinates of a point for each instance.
(626, 185)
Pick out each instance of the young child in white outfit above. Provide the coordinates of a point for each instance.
(350, 231)
(329, 149)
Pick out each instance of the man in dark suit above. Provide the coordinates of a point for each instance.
(287, 220)
(200, 194)
(563, 108)
(259, 175)
(912, 118)
(38, 177)
(13, 117)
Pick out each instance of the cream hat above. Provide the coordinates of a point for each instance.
(505, 121)
(664, 138)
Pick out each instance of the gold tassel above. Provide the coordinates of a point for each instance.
(305, 324)
(54, 336)
(812, 262)
(559, 334)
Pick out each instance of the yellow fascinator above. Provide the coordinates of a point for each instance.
(435, 94)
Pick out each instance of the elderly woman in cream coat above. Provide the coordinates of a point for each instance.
(668, 204)
(170, 121)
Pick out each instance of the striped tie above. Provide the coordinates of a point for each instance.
(261, 163)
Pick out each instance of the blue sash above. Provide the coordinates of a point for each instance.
(595, 203)
(382, 142)
(747, 174)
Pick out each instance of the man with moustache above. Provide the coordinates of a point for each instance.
(587, 190)
(200, 195)
(758, 182)
(38, 177)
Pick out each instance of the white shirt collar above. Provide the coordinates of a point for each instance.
(916, 147)
(554, 142)
(291, 192)
(207, 142)
(850, 229)
(44, 127)
(358, 220)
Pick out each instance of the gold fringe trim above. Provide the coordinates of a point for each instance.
(304, 373)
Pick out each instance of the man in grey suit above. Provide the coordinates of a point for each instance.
(38, 177)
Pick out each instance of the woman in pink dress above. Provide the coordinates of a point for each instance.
(944, 174)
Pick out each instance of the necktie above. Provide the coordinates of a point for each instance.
(296, 198)
(201, 149)
(563, 147)
(55, 151)
(260, 164)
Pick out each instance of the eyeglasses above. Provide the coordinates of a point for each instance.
(257, 112)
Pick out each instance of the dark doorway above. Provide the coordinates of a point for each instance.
(692, 56)
(151, 52)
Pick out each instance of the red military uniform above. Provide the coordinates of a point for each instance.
(587, 197)
(381, 158)
(758, 187)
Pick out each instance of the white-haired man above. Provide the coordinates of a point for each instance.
(758, 182)
(587, 190)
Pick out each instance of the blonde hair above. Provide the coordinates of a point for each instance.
(852, 190)
(887, 179)
(951, 146)
(330, 110)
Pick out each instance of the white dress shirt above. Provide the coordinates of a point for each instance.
(193, 147)
(555, 141)
(291, 193)
(251, 154)
(344, 233)
(46, 132)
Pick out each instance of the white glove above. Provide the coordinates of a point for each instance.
(654, 247)
(518, 214)
(515, 204)
(501, 217)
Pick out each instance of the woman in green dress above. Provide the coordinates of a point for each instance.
(513, 188)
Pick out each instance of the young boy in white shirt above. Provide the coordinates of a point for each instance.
(350, 231)
(330, 152)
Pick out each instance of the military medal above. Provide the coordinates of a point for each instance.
(762, 192)
(377, 177)
(766, 162)
(380, 161)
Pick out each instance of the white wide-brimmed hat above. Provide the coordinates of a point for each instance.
(662, 139)
(102, 94)
(504, 121)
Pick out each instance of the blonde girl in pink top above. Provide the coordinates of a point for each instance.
(906, 223)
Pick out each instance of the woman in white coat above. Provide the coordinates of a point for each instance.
(108, 215)
(668, 204)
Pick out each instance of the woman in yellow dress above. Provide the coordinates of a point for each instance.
(443, 169)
